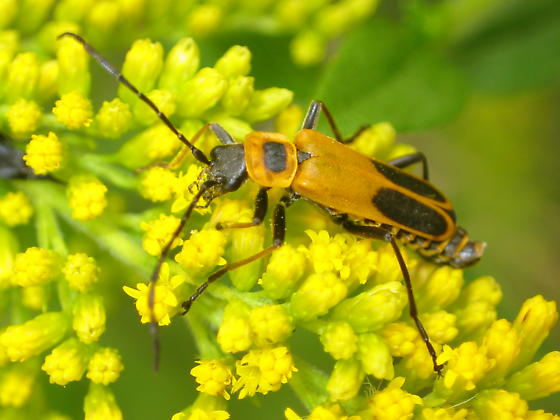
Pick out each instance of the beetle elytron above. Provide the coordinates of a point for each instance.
(367, 197)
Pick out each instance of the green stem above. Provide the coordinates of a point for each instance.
(310, 384)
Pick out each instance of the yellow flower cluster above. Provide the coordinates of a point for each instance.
(345, 292)
(72, 356)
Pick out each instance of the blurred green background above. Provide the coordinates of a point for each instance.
(476, 86)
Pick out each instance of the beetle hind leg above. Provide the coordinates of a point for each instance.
(406, 160)
(380, 233)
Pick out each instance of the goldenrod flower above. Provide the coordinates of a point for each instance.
(16, 384)
(20, 342)
(73, 110)
(339, 340)
(80, 271)
(393, 402)
(159, 232)
(23, 117)
(375, 356)
(279, 279)
(100, 404)
(15, 209)
(158, 184)
(332, 412)
(400, 337)
(213, 376)
(86, 197)
(317, 295)
(346, 291)
(376, 140)
(166, 303)
(199, 414)
(89, 317)
(44, 154)
(465, 366)
(345, 380)
(113, 119)
(105, 366)
(67, 362)
(234, 334)
(202, 252)
(537, 380)
(35, 266)
(263, 371)
(270, 325)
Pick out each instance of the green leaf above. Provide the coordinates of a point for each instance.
(385, 73)
(517, 50)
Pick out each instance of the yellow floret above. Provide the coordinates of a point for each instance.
(86, 197)
(213, 376)
(73, 110)
(15, 209)
(105, 366)
(270, 324)
(23, 117)
(202, 252)
(339, 340)
(394, 403)
(159, 233)
(16, 384)
(263, 371)
(113, 119)
(44, 154)
(35, 266)
(67, 362)
(158, 184)
(100, 404)
(20, 342)
(89, 317)
(165, 300)
(80, 271)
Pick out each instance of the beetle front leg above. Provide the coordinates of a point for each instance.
(379, 233)
(261, 205)
(278, 235)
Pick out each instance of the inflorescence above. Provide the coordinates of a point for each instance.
(345, 292)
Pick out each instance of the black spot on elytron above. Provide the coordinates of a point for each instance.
(409, 212)
(274, 156)
(409, 182)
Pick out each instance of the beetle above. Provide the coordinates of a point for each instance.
(367, 197)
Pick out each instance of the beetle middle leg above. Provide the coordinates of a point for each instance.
(379, 233)
(278, 235)
(312, 118)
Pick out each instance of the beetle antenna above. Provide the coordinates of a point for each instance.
(197, 153)
(163, 256)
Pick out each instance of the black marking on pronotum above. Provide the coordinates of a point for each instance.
(409, 212)
(275, 157)
(409, 182)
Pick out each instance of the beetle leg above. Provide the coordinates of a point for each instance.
(162, 257)
(312, 118)
(379, 233)
(197, 153)
(407, 160)
(261, 205)
(278, 235)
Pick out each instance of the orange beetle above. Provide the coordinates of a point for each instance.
(367, 197)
